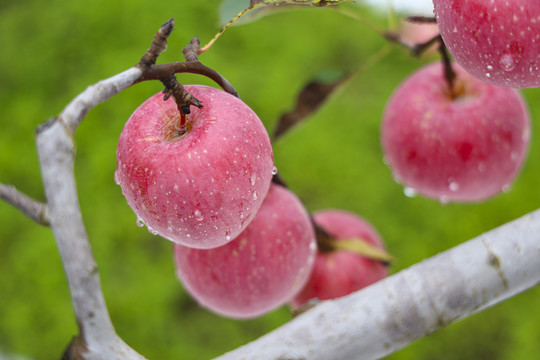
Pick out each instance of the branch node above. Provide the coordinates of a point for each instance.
(192, 50)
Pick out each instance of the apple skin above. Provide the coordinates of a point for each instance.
(339, 273)
(200, 189)
(260, 270)
(465, 149)
(497, 41)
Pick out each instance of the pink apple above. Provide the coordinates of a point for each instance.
(464, 148)
(339, 273)
(202, 188)
(497, 41)
(266, 265)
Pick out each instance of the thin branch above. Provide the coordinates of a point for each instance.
(76, 111)
(31, 208)
(162, 72)
(159, 45)
(386, 316)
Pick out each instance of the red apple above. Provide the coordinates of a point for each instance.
(497, 41)
(266, 265)
(202, 188)
(339, 272)
(466, 147)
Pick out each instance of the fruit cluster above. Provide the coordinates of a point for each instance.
(242, 244)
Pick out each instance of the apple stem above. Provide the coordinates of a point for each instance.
(183, 99)
(449, 73)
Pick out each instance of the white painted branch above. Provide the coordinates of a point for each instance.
(94, 95)
(419, 300)
(97, 338)
(31, 208)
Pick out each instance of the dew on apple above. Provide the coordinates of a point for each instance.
(453, 186)
(274, 170)
(152, 231)
(507, 62)
(198, 215)
(409, 192)
(444, 200)
(254, 195)
(140, 222)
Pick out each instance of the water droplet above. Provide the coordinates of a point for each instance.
(228, 235)
(454, 29)
(140, 222)
(188, 236)
(152, 231)
(274, 170)
(488, 74)
(169, 228)
(253, 179)
(444, 199)
(116, 178)
(489, 67)
(241, 215)
(198, 215)
(409, 192)
(254, 195)
(507, 62)
(453, 186)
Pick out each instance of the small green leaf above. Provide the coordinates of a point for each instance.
(230, 8)
(363, 248)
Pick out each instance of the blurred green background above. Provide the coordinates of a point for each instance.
(51, 50)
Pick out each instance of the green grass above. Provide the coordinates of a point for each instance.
(52, 50)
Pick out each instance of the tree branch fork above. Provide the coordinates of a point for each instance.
(368, 324)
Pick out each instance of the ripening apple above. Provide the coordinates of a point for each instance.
(465, 147)
(263, 268)
(203, 187)
(339, 272)
(497, 41)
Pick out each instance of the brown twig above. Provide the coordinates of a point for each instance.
(31, 208)
(162, 72)
(192, 50)
(421, 19)
(159, 45)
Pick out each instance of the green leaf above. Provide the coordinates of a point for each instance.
(363, 248)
